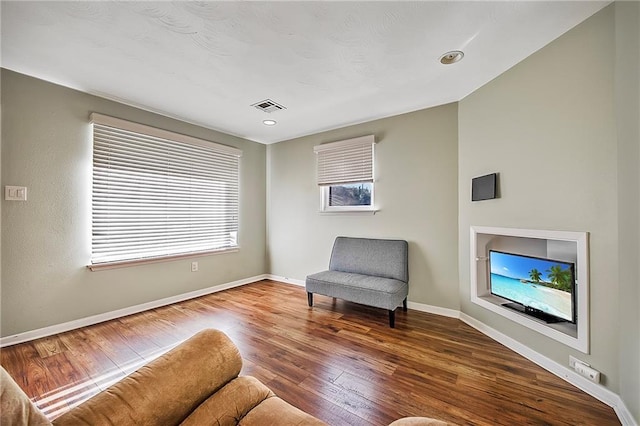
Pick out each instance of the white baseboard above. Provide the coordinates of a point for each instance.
(95, 319)
(285, 280)
(445, 312)
(624, 415)
(597, 391)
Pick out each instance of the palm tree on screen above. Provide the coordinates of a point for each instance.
(561, 278)
(535, 275)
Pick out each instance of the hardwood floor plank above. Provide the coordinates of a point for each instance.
(30, 372)
(87, 353)
(74, 385)
(350, 401)
(308, 358)
(250, 368)
(156, 327)
(131, 340)
(391, 399)
(48, 346)
(337, 360)
(313, 403)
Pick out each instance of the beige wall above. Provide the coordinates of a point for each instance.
(416, 192)
(547, 125)
(627, 95)
(46, 146)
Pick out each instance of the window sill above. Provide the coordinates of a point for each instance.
(354, 212)
(137, 262)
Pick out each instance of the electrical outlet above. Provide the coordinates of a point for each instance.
(194, 266)
(588, 372)
(584, 369)
(573, 361)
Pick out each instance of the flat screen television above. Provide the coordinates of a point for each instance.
(543, 288)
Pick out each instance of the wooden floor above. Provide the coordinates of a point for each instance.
(338, 361)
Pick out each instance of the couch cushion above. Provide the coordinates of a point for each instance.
(380, 292)
(230, 404)
(382, 258)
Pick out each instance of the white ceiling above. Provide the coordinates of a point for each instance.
(330, 64)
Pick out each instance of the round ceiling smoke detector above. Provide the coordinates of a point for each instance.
(269, 122)
(451, 57)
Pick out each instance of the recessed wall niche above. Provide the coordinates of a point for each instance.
(565, 246)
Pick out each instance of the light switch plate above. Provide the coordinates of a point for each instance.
(15, 193)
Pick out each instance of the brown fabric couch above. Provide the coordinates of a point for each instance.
(196, 383)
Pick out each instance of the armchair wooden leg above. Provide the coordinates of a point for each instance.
(392, 318)
(310, 298)
(404, 304)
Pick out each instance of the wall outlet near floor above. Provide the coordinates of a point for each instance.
(573, 361)
(584, 369)
(194, 266)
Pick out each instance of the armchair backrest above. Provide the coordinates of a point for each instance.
(368, 256)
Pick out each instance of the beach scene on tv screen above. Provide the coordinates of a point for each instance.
(542, 284)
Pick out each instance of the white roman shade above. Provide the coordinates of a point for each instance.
(160, 194)
(347, 161)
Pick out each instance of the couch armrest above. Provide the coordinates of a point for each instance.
(165, 391)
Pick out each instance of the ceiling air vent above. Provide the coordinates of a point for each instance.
(268, 106)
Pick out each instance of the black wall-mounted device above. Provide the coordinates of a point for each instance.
(484, 187)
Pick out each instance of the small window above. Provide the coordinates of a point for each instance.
(348, 196)
(345, 174)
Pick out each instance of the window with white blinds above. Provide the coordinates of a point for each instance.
(348, 161)
(345, 174)
(159, 194)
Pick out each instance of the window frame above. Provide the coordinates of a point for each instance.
(231, 160)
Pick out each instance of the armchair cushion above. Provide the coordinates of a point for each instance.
(231, 403)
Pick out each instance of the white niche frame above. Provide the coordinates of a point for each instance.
(567, 245)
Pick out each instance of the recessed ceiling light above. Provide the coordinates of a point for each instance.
(269, 122)
(451, 57)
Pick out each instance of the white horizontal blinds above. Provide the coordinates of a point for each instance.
(347, 161)
(160, 196)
